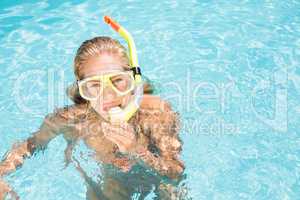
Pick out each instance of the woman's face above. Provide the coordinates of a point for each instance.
(98, 65)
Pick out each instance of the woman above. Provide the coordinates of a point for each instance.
(149, 138)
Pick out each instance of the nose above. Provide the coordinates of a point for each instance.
(108, 93)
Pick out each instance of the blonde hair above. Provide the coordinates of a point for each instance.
(95, 47)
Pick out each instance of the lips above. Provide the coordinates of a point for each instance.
(108, 105)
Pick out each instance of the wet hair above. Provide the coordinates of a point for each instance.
(95, 47)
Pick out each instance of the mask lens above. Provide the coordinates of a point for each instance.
(122, 82)
(91, 89)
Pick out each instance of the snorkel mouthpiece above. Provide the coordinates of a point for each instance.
(117, 115)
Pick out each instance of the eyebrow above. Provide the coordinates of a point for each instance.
(87, 76)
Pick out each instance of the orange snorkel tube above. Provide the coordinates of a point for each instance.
(112, 23)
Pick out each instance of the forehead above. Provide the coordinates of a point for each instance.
(100, 64)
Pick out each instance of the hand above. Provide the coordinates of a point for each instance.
(10, 163)
(5, 189)
(14, 158)
(121, 134)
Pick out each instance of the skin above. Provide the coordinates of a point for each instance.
(99, 65)
(120, 137)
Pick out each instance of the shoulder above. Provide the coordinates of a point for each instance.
(153, 102)
(69, 112)
(157, 110)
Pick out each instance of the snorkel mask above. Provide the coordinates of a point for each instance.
(132, 78)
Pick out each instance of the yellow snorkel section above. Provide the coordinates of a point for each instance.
(134, 63)
(125, 114)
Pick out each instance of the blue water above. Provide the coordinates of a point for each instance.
(231, 68)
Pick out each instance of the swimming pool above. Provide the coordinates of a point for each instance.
(231, 68)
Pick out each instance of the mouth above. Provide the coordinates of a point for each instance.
(107, 106)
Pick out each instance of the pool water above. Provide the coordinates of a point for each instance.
(231, 68)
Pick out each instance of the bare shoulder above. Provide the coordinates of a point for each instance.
(157, 110)
(155, 103)
(69, 112)
(62, 118)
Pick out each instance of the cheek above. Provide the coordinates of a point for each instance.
(97, 106)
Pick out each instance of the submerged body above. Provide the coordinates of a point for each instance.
(158, 145)
(144, 134)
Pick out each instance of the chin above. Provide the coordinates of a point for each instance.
(103, 114)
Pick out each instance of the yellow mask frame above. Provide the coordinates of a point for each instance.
(105, 79)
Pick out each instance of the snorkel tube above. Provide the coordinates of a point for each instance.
(119, 114)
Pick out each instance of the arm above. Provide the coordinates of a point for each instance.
(50, 128)
(162, 125)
